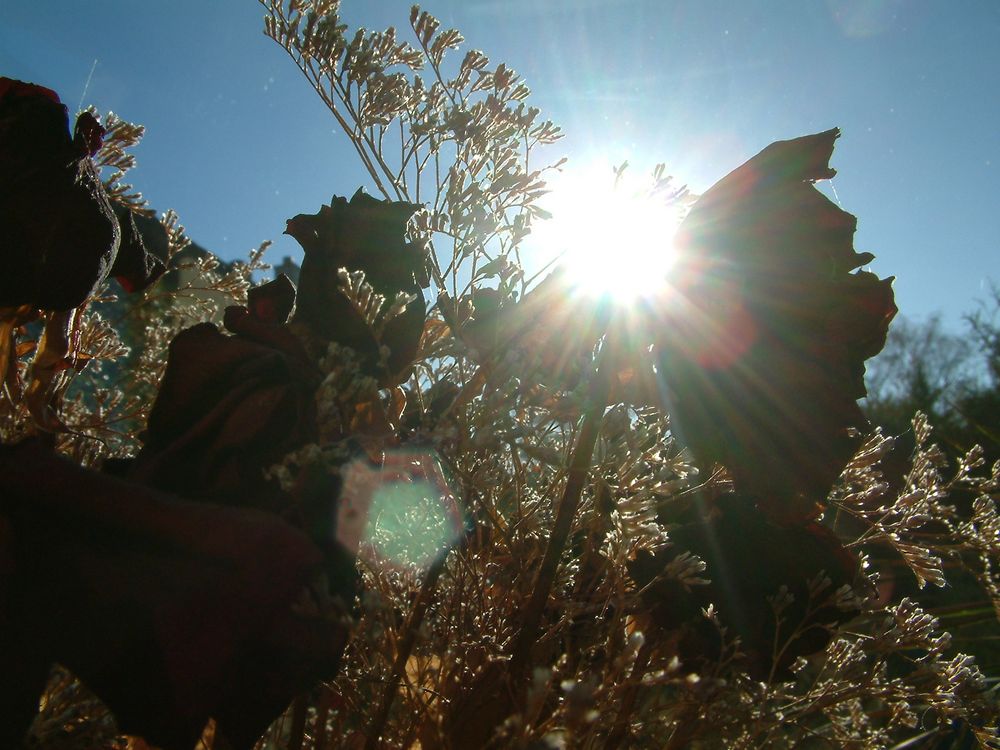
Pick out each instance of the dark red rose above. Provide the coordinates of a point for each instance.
(366, 235)
(766, 329)
(59, 235)
(172, 612)
(231, 406)
(748, 559)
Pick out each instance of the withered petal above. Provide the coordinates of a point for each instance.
(59, 235)
(229, 407)
(272, 302)
(54, 255)
(88, 134)
(135, 268)
(171, 612)
(14, 88)
(766, 328)
(33, 122)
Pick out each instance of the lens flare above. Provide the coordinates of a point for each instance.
(407, 522)
(401, 513)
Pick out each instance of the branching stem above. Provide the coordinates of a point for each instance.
(579, 469)
(405, 648)
(620, 729)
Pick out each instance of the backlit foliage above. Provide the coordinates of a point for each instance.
(445, 652)
(455, 136)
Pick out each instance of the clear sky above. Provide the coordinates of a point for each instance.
(237, 142)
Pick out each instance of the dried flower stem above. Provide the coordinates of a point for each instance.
(406, 642)
(469, 391)
(322, 714)
(579, 468)
(686, 728)
(296, 735)
(620, 729)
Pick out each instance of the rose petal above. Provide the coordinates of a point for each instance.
(272, 302)
(172, 612)
(766, 330)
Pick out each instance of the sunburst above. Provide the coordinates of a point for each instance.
(615, 232)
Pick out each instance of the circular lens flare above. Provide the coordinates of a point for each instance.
(401, 513)
(409, 523)
(616, 234)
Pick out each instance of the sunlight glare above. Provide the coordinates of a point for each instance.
(617, 239)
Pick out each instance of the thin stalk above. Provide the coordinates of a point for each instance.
(686, 729)
(404, 650)
(579, 469)
(297, 733)
(620, 729)
(322, 713)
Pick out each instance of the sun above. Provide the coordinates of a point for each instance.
(614, 232)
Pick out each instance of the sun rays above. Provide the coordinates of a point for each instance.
(615, 231)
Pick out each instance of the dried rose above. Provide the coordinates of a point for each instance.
(230, 407)
(368, 235)
(766, 329)
(59, 235)
(172, 612)
(748, 560)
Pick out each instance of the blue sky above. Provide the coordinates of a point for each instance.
(237, 142)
